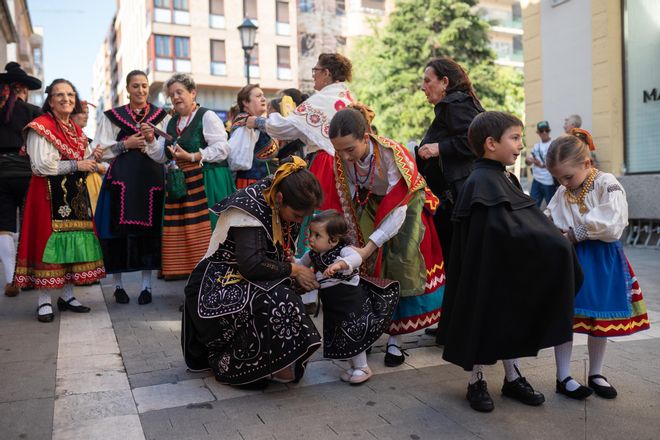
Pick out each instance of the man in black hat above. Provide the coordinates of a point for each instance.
(15, 171)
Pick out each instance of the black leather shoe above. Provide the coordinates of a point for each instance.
(145, 297)
(580, 393)
(392, 360)
(120, 296)
(522, 391)
(66, 305)
(603, 391)
(48, 317)
(478, 396)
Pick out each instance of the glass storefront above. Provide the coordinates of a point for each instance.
(641, 26)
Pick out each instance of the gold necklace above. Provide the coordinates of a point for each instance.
(586, 185)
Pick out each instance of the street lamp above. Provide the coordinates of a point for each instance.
(248, 32)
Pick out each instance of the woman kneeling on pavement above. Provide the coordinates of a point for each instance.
(242, 317)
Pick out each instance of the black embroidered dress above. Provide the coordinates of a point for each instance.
(354, 316)
(130, 207)
(242, 317)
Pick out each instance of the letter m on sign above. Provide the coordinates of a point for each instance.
(651, 96)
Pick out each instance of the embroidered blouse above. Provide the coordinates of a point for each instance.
(46, 160)
(606, 218)
(386, 176)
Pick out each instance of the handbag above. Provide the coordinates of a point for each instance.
(175, 184)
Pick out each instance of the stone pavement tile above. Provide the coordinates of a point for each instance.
(26, 341)
(224, 392)
(126, 427)
(426, 357)
(27, 380)
(27, 419)
(169, 395)
(74, 411)
(321, 372)
(91, 382)
(91, 364)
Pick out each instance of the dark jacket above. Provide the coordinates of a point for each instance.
(453, 115)
(11, 133)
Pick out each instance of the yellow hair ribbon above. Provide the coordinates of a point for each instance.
(270, 194)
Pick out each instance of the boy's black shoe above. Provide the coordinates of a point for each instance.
(477, 395)
(522, 391)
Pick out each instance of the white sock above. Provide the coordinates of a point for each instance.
(510, 369)
(8, 256)
(119, 283)
(391, 342)
(476, 374)
(596, 348)
(146, 280)
(67, 294)
(563, 362)
(359, 361)
(44, 298)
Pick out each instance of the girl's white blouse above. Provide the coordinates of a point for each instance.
(607, 214)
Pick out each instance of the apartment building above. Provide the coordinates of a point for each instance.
(506, 32)
(199, 37)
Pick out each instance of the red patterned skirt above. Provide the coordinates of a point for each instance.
(37, 228)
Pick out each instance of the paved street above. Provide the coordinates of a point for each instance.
(117, 373)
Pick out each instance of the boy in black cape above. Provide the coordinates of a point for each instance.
(512, 277)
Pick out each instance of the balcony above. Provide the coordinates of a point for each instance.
(216, 21)
(507, 26)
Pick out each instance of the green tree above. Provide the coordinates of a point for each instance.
(388, 65)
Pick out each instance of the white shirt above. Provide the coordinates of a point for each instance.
(347, 255)
(44, 158)
(106, 136)
(214, 133)
(541, 174)
(606, 218)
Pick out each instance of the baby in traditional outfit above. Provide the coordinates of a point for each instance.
(356, 311)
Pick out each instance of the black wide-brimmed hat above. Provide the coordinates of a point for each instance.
(16, 74)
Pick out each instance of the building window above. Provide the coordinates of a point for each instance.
(250, 10)
(254, 62)
(217, 14)
(283, 62)
(282, 26)
(172, 54)
(378, 5)
(306, 5)
(340, 7)
(171, 11)
(218, 58)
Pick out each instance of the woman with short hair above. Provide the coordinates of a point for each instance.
(196, 144)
